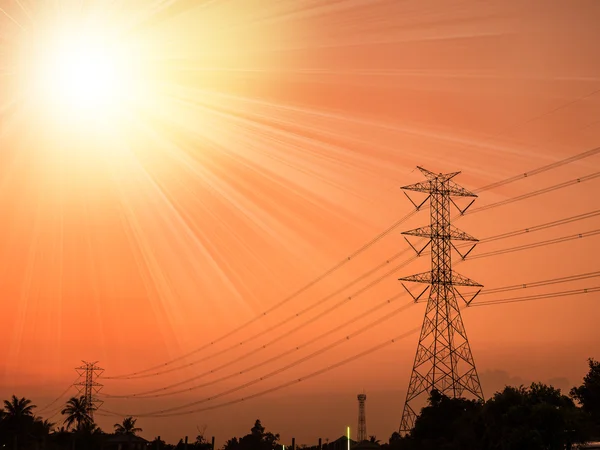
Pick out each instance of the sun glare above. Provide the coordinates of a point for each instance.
(82, 73)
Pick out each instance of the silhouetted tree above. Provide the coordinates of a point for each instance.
(18, 420)
(258, 439)
(202, 443)
(534, 418)
(127, 427)
(76, 412)
(588, 395)
(446, 423)
(232, 444)
(17, 408)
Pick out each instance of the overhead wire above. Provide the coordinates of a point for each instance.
(153, 392)
(535, 284)
(528, 298)
(554, 165)
(268, 344)
(526, 230)
(489, 239)
(47, 406)
(367, 327)
(490, 186)
(171, 412)
(144, 373)
(544, 226)
(536, 244)
(359, 317)
(285, 321)
(279, 304)
(535, 193)
(105, 412)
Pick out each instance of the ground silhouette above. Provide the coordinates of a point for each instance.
(536, 417)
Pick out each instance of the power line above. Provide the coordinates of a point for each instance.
(359, 317)
(537, 244)
(148, 393)
(535, 284)
(544, 226)
(535, 193)
(539, 170)
(508, 300)
(333, 269)
(145, 394)
(345, 361)
(58, 398)
(298, 314)
(370, 244)
(295, 381)
(272, 373)
(538, 296)
(527, 230)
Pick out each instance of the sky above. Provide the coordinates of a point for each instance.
(245, 148)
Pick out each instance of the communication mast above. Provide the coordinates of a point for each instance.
(362, 419)
(443, 360)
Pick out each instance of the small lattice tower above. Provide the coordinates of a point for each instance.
(88, 386)
(362, 419)
(443, 361)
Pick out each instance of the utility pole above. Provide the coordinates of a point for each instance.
(88, 386)
(443, 361)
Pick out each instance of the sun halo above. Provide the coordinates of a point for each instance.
(80, 74)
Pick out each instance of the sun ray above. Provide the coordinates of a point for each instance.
(170, 169)
(11, 18)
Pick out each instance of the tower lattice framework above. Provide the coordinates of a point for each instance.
(361, 435)
(443, 360)
(88, 386)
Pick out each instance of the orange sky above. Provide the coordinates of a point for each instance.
(275, 146)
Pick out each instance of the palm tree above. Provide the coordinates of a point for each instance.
(77, 412)
(128, 426)
(17, 408)
(18, 417)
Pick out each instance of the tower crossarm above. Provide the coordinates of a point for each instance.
(453, 233)
(449, 188)
(431, 176)
(456, 280)
(459, 280)
(459, 191)
(424, 277)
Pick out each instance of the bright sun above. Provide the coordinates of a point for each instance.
(81, 73)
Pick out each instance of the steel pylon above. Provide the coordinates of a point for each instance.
(89, 387)
(443, 359)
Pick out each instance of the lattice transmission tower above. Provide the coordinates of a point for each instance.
(361, 435)
(443, 360)
(88, 386)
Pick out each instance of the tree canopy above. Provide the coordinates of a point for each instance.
(127, 427)
(258, 439)
(536, 417)
(588, 395)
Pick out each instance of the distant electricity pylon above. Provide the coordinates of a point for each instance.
(362, 419)
(443, 360)
(88, 386)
